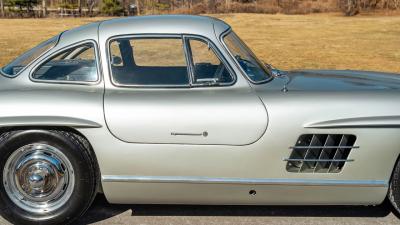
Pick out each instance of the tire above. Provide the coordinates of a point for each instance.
(394, 188)
(47, 176)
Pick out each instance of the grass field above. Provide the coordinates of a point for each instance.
(286, 41)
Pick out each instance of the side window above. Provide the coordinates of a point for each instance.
(207, 67)
(148, 61)
(74, 64)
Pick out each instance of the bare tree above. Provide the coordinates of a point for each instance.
(44, 8)
(190, 4)
(2, 7)
(138, 7)
(351, 7)
(90, 5)
(80, 7)
(123, 3)
(227, 5)
(396, 4)
(206, 3)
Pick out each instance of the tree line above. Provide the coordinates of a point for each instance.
(45, 8)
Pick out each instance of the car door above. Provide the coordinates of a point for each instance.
(178, 90)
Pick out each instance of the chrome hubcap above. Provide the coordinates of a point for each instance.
(38, 178)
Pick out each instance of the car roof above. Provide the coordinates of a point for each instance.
(173, 24)
(155, 24)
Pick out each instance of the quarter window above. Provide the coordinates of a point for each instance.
(148, 61)
(207, 67)
(74, 64)
(28, 57)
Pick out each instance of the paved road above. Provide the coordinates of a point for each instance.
(103, 213)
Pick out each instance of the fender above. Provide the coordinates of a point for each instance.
(18, 121)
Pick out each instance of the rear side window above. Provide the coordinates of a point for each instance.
(18, 64)
(149, 61)
(74, 64)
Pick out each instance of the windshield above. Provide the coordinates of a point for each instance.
(18, 64)
(255, 70)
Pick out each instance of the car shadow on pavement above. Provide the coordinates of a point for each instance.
(102, 210)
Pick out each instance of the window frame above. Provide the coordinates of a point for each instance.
(49, 57)
(221, 40)
(146, 36)
(217, 53)
(188, 59)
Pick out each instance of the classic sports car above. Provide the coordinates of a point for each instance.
(177, 110)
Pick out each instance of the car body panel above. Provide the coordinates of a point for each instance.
(41, 107)
(220, 116)
(244, 151)
(341, 80)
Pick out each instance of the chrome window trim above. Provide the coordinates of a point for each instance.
(187, 38)
(187, 57)
(189, 60)
(243, 181)
(43, 61)
(33, 61)
(144, 36)
(221, 40)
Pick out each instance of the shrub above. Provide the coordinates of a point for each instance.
(112, 7)
(350, 7)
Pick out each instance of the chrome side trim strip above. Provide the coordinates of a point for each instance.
(19, 121)
(318, 160)
(318, 147)
(358, 122)
(244, 181)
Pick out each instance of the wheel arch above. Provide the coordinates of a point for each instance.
(69, 129)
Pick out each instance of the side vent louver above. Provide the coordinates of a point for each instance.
(320, 153)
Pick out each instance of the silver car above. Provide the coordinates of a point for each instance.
(178, 110)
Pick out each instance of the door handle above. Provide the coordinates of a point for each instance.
(204, 134)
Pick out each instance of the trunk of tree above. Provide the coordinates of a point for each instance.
(189, 2)
(138, 7)
(80, 7)
(209, 6)
(227, 5)
(124, 7)
(90, 5)
(44, 8)
(2, 8)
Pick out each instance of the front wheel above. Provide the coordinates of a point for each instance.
(48, 177)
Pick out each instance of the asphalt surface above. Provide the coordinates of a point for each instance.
(102, 212)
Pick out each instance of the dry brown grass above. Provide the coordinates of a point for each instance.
(323, 40)
(287, 41)
(19, 35)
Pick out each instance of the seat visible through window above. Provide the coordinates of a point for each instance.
(74, 64)
(148, 61)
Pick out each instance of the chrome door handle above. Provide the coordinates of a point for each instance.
(204, 134)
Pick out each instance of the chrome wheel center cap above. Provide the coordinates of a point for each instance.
(39, 180)
(36, 181)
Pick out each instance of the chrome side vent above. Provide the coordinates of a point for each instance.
(320, 153)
